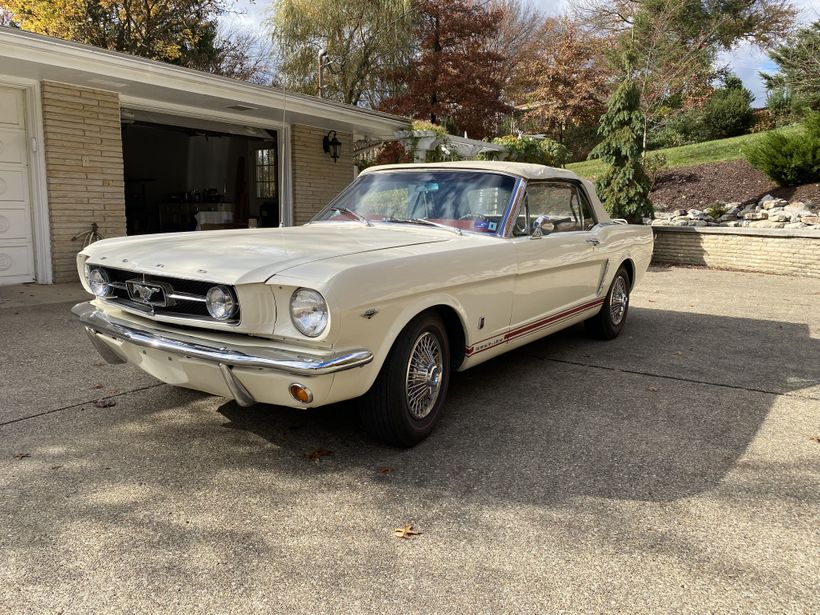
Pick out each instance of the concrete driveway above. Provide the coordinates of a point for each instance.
(674, 469)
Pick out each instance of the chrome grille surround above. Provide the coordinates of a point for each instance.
(183, 298)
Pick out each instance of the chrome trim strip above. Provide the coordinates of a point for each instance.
(232, 355)
(145, 311)
(242, 396)
(512, 208)
(603, 278)
(186, 296)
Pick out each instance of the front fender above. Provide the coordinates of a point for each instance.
(379, 331)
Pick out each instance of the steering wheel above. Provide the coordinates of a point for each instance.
(471, 216)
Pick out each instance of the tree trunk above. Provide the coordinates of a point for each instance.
(645, 124)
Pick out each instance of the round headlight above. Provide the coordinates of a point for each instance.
(98, 281)
(220, 303)
(308, 311)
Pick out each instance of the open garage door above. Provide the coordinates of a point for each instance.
(185, 174)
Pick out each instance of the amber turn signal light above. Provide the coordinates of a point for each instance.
(300, 393)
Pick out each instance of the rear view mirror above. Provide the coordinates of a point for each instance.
(542, 225)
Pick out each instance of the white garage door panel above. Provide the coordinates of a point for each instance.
(16, 248)
(12, 146)
(15, 261)
(13, 185)
(14, 224)
(11, 107)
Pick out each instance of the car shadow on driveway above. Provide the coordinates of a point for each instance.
(661, 413)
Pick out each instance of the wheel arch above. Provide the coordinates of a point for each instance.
(451, 313)
(629, 265)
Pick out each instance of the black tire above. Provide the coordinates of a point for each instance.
(385, 409)
(606, 325)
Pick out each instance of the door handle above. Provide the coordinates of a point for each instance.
(594, 242)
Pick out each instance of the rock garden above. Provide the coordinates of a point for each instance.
(770, 212)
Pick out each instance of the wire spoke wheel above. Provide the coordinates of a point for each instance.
(618, 300)
(424, 375)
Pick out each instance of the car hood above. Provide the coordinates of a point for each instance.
(251, 255)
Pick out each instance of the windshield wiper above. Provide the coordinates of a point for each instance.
(359, 217)
(426, 222)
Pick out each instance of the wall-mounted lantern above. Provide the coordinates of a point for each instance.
(332, 145)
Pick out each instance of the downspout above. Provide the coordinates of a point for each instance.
(322, 56)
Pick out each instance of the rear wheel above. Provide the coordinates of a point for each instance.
(608, 323)
(405, 403)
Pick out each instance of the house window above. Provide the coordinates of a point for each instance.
(266, 173)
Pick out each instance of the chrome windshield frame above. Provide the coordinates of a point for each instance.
(502, 231)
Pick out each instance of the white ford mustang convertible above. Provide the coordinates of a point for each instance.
(412, 273)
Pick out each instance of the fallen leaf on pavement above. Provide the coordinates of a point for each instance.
(99, 386)
(405, 532)
(22, 455)
(105, 403)
(385, 470)
(318, 454)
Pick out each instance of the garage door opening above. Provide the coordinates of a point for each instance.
(197, 175)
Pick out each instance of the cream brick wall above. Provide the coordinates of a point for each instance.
(83, 152)
(784, 253)
(316, 178)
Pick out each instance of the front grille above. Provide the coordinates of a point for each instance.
(188, 301)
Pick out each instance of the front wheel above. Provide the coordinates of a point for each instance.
(405, 403)
(608, 323)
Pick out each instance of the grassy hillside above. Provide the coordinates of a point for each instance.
(683, 156)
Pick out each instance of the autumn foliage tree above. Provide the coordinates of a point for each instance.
(569, 79)
(454, 79)
(183, 32)
(672, 45)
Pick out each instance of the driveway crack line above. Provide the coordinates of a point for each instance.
(82, 403)
(677, 378)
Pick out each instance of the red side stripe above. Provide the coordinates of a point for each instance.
(534, 326)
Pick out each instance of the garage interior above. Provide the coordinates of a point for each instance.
(186, 174)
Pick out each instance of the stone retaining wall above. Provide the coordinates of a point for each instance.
(783, 251)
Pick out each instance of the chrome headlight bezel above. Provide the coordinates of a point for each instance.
(308, 312)
(221, 303)
(98, 282)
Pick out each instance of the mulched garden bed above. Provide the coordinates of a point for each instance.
(736, 181)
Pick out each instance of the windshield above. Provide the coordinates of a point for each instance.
(467, 200)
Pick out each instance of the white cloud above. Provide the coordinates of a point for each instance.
(247, 14)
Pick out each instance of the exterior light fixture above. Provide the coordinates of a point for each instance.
(332, 145)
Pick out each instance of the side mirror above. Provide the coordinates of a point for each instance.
(542, 225)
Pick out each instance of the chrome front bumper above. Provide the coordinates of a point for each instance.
(225, 355)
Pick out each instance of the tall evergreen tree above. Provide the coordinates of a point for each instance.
(799, 62)
(624, 189)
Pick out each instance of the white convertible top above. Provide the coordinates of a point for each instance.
(525, 170)
(522, 169)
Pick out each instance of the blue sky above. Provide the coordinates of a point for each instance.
(746, 61)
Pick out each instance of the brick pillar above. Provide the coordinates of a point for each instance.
(316, 177)
(84, 167)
